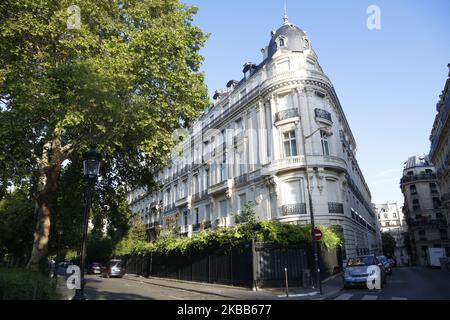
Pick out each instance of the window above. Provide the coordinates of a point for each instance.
(324, 140)
(385, 216)
(207, 178)
(223, 208)
(242, 200)
(282, 42)
(395, 215)
(222, 172)
(290, 144)
(185, 218)
(196, 216)
(293, 192)
(195, 187)
(208, 212)
(413, 189)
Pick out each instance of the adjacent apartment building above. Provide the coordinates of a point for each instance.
(440, 146)
(258, 142)
(427, 224)
(392, 221)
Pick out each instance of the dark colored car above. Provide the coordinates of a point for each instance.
(356, 272)
(393, 262)
(95, 268)
(386, 263)
(113, 268)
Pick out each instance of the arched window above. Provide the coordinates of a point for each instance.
(282, 44)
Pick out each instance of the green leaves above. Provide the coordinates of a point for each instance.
(266, 231)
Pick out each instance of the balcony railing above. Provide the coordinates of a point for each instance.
(323, 114)
(423, 222)
(335, 207)
(286, 114)
(420, 176)
(242, 179)
(293, 209)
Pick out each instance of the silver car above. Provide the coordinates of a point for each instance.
(113, 268)
(356, 271)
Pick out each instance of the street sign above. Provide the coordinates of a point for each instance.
(317, 234)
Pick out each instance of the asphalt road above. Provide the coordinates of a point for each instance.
(406, 283)
(136, 288)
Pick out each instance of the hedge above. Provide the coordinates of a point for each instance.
(264, 231)
(22, 284)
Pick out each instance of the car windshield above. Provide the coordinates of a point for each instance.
(382, 258)
(361, 261)
(116, 264)
(95, 264)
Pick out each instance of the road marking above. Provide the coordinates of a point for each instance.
(399, 298)
(344, 296)
(299, 294)
(369, 297)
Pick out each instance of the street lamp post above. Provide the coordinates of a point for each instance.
(311, 210)
(91, 170)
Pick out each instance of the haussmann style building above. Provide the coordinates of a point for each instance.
(440, 146)
(427, 224)
(392, 221)
(258, 142)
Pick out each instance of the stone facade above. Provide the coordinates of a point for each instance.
(427, 224)
(392, 221)
(258, 142)
(440, 146)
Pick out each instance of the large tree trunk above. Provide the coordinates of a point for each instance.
(42, 231)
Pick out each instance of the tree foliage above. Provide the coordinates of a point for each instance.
(388, 243)
(265, 231)
(17, 221)
(124, 80)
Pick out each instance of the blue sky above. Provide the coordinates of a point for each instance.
(388, 81)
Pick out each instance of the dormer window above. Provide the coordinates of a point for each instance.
(282, 42)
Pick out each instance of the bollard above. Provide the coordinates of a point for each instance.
(287, 286)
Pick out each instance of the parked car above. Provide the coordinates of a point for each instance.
(95, 268)
(113, 268)
(393, 263)
(356, 271)
(386, 263)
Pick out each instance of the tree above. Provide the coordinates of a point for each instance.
(135, 239)
(17, 211)
(124, 80)
(388, 243)
(247, 214)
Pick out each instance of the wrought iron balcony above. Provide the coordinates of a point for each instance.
(242, 179)
(335, 207)
(286, 114)
(420, 176)
(293, 209)
(428, 223)
(322, 114)
(196, 196)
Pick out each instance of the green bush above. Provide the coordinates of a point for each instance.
(22, 284)
(266, 231)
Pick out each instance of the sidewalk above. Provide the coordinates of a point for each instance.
(330, 286)
(62, 290)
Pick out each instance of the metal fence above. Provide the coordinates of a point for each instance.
(249, 265)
